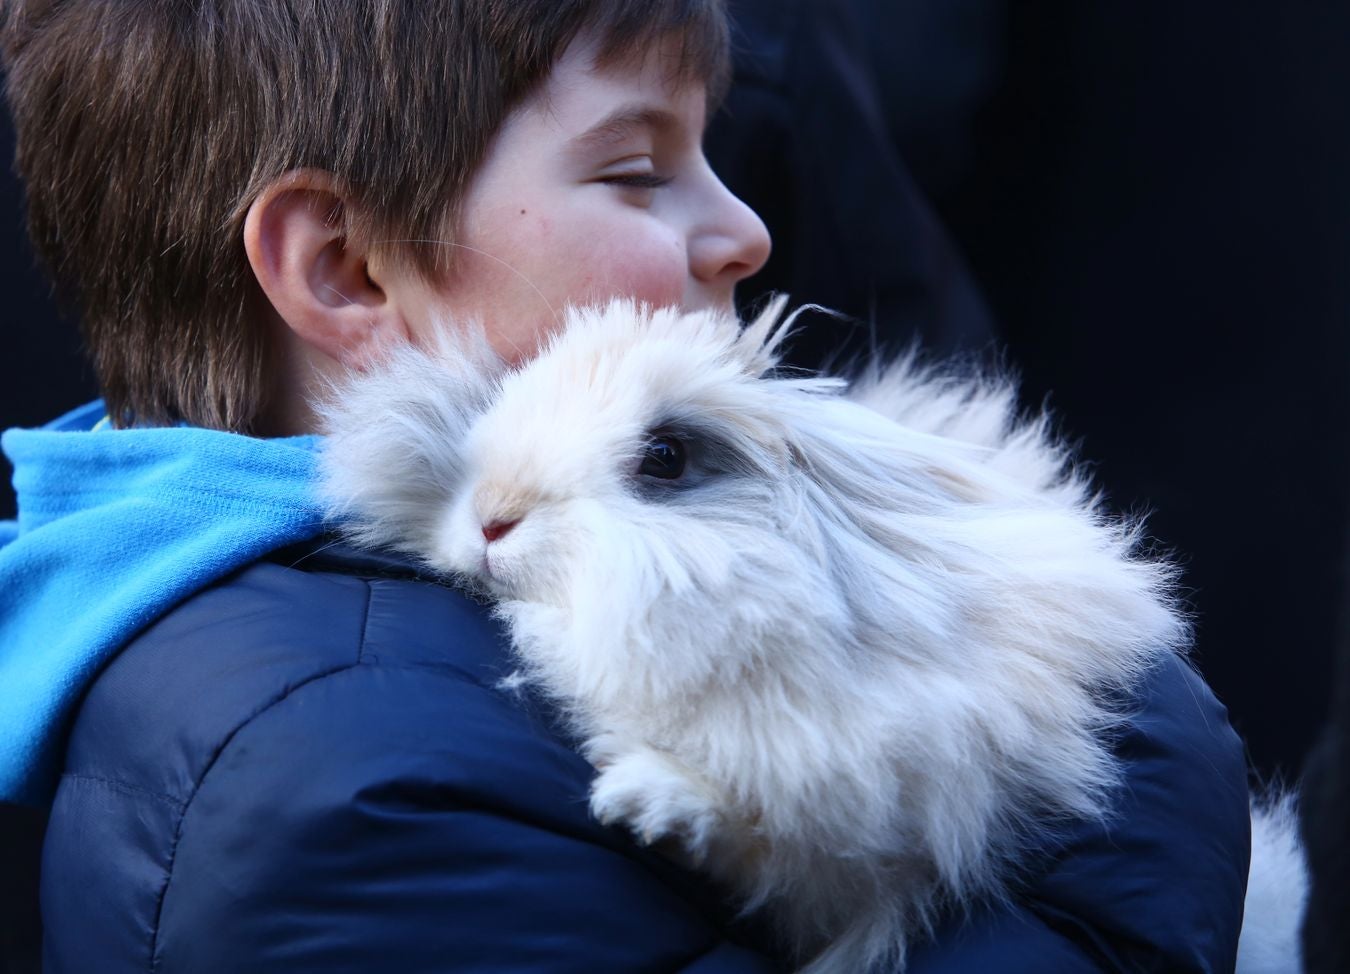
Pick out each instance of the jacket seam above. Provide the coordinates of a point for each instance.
(177, 803)
(211, 763)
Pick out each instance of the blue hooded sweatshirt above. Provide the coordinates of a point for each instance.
(115, 527)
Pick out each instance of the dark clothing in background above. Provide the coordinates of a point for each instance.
(801, 138)
(1326, 822)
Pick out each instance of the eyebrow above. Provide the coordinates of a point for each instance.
(621, 123)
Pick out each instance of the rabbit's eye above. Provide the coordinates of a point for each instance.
(664, 458)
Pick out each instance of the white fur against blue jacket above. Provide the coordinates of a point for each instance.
(859, 652)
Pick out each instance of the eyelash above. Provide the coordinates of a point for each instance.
(637, 180)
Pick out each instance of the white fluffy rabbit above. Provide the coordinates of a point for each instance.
(847, 648)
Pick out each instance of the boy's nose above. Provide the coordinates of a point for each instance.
(731, 244)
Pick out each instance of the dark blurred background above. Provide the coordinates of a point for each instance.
(42, 369)
(1144, 205)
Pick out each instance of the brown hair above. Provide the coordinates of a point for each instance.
(145, 129)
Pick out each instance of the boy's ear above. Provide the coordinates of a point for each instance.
(319, 281)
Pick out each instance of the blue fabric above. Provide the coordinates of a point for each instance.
(115, 527)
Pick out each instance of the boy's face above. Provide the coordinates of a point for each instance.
(595, 187)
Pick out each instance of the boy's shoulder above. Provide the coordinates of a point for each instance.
(317, 752)
(315, 623)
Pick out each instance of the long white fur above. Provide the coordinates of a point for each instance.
(1277, 891)
(871, 651)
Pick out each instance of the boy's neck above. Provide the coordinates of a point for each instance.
(302, 376)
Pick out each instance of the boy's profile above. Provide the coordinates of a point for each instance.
(264, 751)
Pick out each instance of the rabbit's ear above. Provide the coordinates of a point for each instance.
(393, 455)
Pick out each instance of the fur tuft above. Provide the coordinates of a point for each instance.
(1277, 891)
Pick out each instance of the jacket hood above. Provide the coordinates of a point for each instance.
(114, 528)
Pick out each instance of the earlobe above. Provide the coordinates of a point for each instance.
(315, 278)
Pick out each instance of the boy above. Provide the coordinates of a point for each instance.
(268, 752)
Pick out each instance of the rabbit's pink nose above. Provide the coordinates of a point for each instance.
(497, 529)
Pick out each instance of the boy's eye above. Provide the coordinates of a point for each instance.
(636, 180)
(664, 458)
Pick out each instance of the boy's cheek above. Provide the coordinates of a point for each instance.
(577, 260)
(607, 272)
(653, 271)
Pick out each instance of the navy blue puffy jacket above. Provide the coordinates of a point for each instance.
(308, 767)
